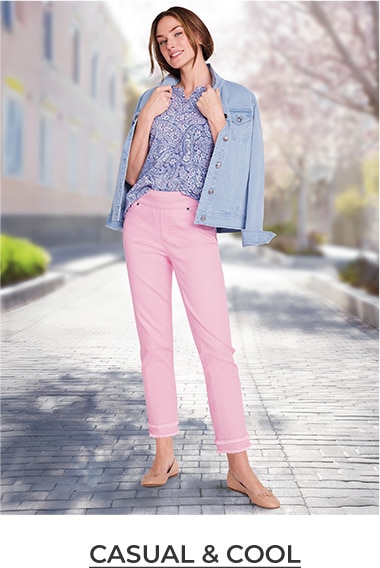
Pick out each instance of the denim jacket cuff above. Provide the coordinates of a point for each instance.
(250, 238)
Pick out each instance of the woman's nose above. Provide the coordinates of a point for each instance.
(171, 44)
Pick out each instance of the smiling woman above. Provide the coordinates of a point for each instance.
(185, 33)
(192, 165)
(134, 18)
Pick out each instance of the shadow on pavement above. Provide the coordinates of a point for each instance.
(79, 444)
(285, 311)
(68, 438)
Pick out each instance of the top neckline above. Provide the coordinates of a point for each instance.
(197, 90)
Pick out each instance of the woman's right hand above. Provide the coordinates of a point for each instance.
(158, 102)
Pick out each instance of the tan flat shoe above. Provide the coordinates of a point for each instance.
(265, 499)
(158, 479)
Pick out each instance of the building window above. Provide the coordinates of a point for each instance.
(94, 75)
(111, 91)
(13, 135)
(7, 15)
(48, 32)
(75, 54)
(73, 159)
(46, 150)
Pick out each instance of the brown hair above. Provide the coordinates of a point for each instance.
(193, 27)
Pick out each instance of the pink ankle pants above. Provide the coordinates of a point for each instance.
(160, 237)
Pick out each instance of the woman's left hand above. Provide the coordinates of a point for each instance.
(210, 105)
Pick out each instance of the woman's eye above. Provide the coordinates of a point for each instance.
(162, 42)
(178, 34)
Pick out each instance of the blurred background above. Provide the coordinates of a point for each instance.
(72, 73)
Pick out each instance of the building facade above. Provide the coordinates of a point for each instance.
(63, 119)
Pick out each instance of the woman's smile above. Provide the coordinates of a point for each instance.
(175, 54)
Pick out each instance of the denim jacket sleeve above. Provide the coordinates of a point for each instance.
(253, 234)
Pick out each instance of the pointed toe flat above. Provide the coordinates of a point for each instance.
(264, 499)
(159, 479)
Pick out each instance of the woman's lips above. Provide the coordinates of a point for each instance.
(176, 54)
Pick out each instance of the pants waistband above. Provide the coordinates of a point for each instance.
(166, 200)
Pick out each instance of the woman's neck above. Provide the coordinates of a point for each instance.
(198, 75)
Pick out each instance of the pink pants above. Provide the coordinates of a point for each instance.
(160, 237)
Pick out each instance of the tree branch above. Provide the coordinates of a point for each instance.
(342, 101)
(318, 13)
(374, 7)
(358, 32)
(288, 158)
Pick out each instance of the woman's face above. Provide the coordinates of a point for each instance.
(173, 42)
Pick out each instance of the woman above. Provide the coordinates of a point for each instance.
(192, 165)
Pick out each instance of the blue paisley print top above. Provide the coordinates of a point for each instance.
(180, 149)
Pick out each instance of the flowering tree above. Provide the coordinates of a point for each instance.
(339, 59)
(315, 70)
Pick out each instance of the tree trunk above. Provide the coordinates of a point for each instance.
(302, 240)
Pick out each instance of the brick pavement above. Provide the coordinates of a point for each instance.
(74, 435)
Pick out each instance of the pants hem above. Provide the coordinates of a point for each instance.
(164, 431)
(233, 446)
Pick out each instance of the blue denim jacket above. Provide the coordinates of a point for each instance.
(233, 193)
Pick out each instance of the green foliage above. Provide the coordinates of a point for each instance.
(370, 173)
(286, 240)
(284, 243)
(287, 229)
(316, 238)
(21, 260)
(351, 202)
(362, 274)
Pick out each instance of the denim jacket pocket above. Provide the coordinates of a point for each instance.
(241, 124)
(241, 117)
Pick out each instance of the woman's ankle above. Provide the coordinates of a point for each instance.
(164, 448)
(238, 462)
(240, 468)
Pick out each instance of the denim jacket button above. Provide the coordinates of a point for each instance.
(218, 165)
(225, 138)
(203, 218)
(239, 119)
(210, 191)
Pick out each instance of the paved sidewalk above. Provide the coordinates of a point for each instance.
(84, 259)
(73, 415)
(66, 262)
